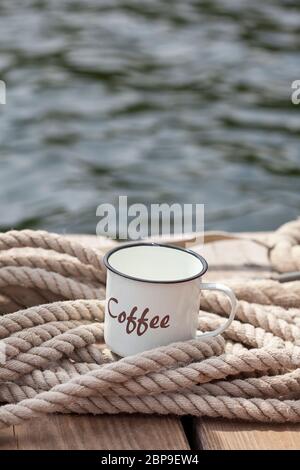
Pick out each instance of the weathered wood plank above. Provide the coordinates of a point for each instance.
(70, 432)
(8, 439)
(227, 435)
(241, 259)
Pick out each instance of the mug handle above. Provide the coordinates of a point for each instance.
(233, 301)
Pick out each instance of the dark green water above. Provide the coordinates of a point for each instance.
(165, 101)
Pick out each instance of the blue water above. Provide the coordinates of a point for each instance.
(163, 101)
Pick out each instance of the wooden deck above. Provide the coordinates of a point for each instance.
(226, 259)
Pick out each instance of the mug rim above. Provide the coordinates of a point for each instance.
(165, 245)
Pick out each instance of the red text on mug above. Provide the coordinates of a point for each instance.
(134, 321)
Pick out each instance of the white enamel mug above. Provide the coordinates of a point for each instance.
(153, 297)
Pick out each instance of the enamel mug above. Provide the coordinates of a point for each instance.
(153, 297)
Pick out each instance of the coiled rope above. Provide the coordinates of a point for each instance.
(52, 356)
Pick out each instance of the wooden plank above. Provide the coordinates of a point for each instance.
(70, 432)
(228, 435)
(241, 259)
(8, 439)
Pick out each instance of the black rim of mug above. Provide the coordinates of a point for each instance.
(131, 245)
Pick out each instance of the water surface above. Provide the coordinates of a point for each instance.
(165, 101)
